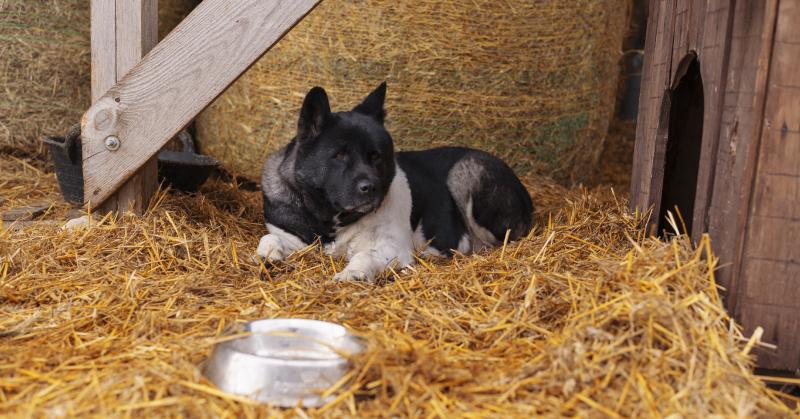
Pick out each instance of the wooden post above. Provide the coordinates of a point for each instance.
(122, 32)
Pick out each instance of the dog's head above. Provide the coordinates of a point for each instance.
(347, 157)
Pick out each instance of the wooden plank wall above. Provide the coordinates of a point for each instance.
(713, 53)
(676, 28)
(655, 81)
(745, 92)
(769, 291)
(748, 191)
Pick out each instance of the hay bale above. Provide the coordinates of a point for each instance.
(44, 73)
(172, 12)
(45, 66)
(532, 81)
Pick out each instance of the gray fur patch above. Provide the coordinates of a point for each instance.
(277, 169)
(464, 180)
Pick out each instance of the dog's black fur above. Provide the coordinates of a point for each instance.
(341, 167)
(323, 168)
(500, 201)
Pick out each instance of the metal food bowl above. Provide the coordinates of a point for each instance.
(284, 362)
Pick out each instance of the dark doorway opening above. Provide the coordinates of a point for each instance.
(684, 141)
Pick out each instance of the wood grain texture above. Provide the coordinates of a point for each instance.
(770, 285)
(780, 327)
(655, 81)
(136, 31)
(714, 28)
(182, 75)
(677, 28)
(748, 186)
(26, 213)
(740, 133)
(136, 24)
(103, 46)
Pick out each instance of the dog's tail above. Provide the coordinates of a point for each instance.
(491, 199)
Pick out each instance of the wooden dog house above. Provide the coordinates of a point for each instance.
(718, 137)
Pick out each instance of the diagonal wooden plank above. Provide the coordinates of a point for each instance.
(182, 75)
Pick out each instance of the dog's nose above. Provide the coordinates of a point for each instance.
(365, 187)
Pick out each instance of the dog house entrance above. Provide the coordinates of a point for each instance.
(684, 141)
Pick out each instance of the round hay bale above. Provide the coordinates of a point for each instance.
(44, 73)
(530, 81)
(45, 67)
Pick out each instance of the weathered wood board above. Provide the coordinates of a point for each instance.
(204, 54)
(740, 129)
(769, 294)
(698, 27)
(103, 46)
(122, 32)
(748, 185)
(27, 213)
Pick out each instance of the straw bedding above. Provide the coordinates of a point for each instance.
(44, 66)
(585, 317)
(531, 81)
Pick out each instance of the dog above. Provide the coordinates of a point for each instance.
(339, 180)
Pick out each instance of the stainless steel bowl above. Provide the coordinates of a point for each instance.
(284, 361)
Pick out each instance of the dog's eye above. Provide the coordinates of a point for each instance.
(340, 156)
(374, 157)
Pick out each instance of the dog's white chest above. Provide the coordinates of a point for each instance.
(384, 233)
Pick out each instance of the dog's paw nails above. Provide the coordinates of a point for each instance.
(258, 260)
(329, 249)
(408, 270)
(270, 248)
(352, 275)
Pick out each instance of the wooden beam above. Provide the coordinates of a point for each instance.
(137, 32)
(122, 32)
(655, 82)
(103, 47)
(182, 75)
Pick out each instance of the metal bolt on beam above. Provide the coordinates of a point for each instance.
(112, 143)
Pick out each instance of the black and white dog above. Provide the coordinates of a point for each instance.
(340, 180)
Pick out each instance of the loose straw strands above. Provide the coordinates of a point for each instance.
(584, 317)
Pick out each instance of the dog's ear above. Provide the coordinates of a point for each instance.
(314, 114)
(373, 104)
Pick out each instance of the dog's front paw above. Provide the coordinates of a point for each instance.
(271, 248)
(353, 275)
